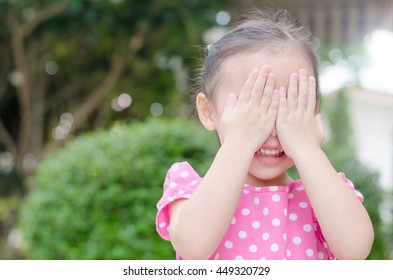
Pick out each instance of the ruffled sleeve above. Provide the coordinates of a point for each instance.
(352, 187)
(180, 182)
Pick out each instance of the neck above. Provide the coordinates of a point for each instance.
(281, 180)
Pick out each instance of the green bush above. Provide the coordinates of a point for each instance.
(96, 198)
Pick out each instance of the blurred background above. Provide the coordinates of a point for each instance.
(95, 106)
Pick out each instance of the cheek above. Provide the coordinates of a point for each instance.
(219, 102)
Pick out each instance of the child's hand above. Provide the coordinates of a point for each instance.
(249, 119)
(298, 128)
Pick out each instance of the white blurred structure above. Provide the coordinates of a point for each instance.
(371, 116)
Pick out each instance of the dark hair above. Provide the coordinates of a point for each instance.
(266, 30)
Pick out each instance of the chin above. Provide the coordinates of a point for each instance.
(269, 174)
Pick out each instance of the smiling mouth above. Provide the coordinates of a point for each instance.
(270, 152)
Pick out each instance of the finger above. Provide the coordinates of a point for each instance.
(312, 95)
(292, 92)
(283, 104)
(259, 85)
(319, 120)
(248, 86)
(303, 90)
(274, 105)
(268, 92)
(229, 105)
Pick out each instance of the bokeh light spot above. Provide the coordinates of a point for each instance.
(156, 109)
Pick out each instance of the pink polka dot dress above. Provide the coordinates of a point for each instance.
(272, 223)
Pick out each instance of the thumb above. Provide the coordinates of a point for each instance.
(319, 121)
(230, 105)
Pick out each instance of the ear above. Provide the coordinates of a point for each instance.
(205, 111)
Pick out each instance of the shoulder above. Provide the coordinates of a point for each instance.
(181, 173)
(180, 182)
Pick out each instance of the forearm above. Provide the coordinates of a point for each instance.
(343, 219)
(203, 220)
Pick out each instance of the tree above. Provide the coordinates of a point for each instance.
(72, 56)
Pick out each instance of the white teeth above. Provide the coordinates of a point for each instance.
(270, 152)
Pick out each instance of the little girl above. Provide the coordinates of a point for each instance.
(258, 91)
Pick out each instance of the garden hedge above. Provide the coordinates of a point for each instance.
(96, 198)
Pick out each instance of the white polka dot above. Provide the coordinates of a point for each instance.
(256, 224)
(258, 189)
(233, 221)
(246, 211)
(307, 227)
(228, 244)
(288, 253)
(217, 256)
(239, 258)
(291, 195)
(265, 211)
(256, 201)
(300, 188)
(242, 234)
(253, 248)
(285, 212)
(184, 174)
(172, 185)
(309, 252)
(274, 247)
(325, 245)
(276, 222)
(263, 258)
(162, 224)
(276, 197)
(265, 236)
(321, 255)
(193, 182)
(246, 191)
(297, 240)
(273, 189)
(187, 196)
(303, 204)
(284, 236)
(293, 217)
(175, 168)
(181, 192)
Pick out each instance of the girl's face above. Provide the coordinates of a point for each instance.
(265, 170)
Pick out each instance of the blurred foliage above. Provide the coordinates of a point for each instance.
(82, 40)
(96, 198)
(69, 55)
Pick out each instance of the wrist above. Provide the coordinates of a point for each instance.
(238, 148)
(306, 154)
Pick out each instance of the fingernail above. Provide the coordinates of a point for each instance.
(303, 72)
(294, 76)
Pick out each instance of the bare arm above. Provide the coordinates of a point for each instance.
(343, 219)
(199, 223)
